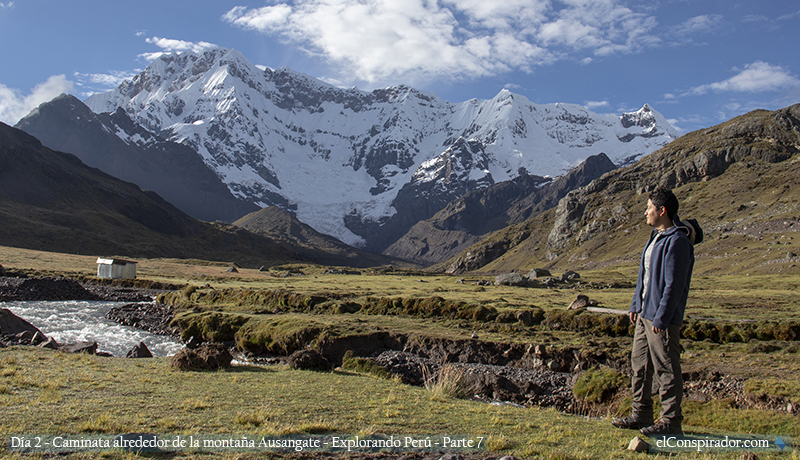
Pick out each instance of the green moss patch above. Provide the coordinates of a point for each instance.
(364, 366)
(211, 326)
(584, 321)
(280, 334)
(727, 332)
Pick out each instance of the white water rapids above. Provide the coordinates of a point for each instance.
(73, 321)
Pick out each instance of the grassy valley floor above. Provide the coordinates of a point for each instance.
(43, 392)
(49, 393)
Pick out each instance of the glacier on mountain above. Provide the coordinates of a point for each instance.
(279, 137)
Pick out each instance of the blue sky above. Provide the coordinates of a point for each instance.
(698, 62)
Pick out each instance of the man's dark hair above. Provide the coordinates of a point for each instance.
(663, 197)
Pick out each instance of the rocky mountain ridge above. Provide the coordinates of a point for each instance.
(740, 179)
(350, 163)
(279, 225)
(466, 220)
(51, 201)
(118, 146)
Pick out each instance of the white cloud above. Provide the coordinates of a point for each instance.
(592, 105)
(4, 5)
(675, 123)
(754, 78)
(602, 27)
(105, 80)
(92, 83)
(381, 40)
(169, 45)
(697, 25)
(261, 19)
(14, 105)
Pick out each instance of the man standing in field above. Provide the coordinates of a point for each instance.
(657, 311)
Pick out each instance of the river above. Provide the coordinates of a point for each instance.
(85, 321)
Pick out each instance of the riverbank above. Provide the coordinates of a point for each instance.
(494, 369)
(66, 309)
(14, 288)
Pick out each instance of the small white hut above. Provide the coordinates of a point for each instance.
(115, 268)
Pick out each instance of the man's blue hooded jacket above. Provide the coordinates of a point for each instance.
(671, 264)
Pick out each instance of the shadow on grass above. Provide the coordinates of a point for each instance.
(250, 368)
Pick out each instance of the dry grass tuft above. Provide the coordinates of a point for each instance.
(450, 382)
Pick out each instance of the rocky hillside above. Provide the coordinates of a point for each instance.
(311, 246)
(113, 143)
(51, 201)
(467, 220)
(740, 179)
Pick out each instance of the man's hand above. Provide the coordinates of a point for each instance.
(657, 330)
(633, 315)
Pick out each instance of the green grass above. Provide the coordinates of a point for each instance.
(52, 393)
(775, 387)
(599, 385)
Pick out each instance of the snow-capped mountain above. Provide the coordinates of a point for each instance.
(338, 158)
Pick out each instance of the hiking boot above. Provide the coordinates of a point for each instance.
(633, 421)
(663, 427)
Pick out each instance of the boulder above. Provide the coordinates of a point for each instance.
(525, 317)
(511, 279)
(569, 275)
(548, 282)
(206, 357)
(308, 359)
(38, 338)
(538, 273)
(80, 347)
(582, 301)
(11, 324)
(25, 337)
(49, 343)
(139, 351)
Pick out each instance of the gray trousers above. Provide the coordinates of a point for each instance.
(659, 355)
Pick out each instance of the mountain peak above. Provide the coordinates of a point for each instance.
(338, 158)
